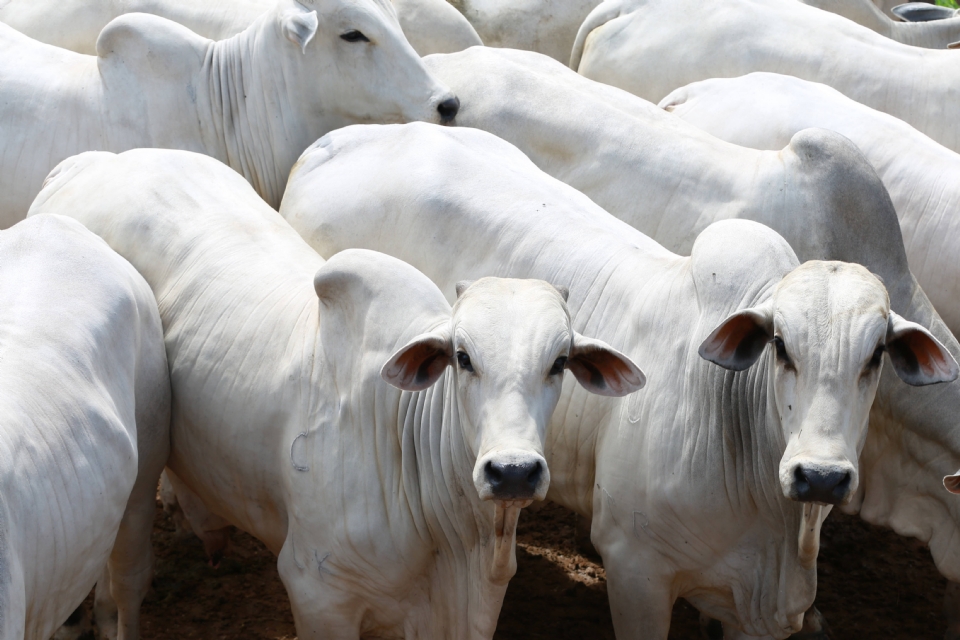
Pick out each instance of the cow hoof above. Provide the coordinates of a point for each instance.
(814, 626)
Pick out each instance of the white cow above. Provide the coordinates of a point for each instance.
(431, 26)
(694, 486)
(936, 34)
(392, 513)
(670, 180)
(632, 44)
(254, 101)
(545, 26)
(765, 110)
(86, 411)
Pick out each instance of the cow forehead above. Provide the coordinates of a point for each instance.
(524, 314)
(822, 297)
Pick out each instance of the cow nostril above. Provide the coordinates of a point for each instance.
(448, 109)
(493, 473)
(533, 478)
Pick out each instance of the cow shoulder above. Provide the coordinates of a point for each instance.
(734, 262)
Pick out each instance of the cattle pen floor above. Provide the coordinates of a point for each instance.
(873, 584)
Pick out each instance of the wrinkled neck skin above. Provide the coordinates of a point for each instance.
(249, 106)
(414, 543)
(709, 519)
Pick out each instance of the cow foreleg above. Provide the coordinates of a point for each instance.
(320, 610)
(641, 603)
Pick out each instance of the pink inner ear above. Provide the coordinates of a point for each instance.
(729, 336)
(929, 357)
(602, 372)
(420, 363)
(952, 483)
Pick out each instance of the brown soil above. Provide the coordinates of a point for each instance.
(873, 584)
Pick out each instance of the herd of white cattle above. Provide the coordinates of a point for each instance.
(242, 251)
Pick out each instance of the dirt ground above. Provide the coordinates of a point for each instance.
(873, 584)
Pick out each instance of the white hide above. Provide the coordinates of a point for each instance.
(670, 180)
(431, 26)
(765, 110)
(936, 34)
(633, 44)
(84, 435)
(282, 424)
(545, 26)
(254, 101)
(681, 480)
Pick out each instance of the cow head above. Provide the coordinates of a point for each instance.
(826, 328)
(348, 62)
(509, 342)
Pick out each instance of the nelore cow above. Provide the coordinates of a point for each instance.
(632, 44)
(392, 513)
(84, 433)
(254, 101)
(431, 26)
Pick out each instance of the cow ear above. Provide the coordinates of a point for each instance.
(917, 356)
(563, 291)
(740, 339)
(419, 363)
(299, 26)
(952, 482)
(603, 370)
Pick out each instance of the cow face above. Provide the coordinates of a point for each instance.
(348, 63)
(826, 328)
(509, 342)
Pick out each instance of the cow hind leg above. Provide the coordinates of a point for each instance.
(130, 568)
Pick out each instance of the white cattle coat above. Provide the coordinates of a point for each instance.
(633, 44)
(670, 180)
(281, 422)
(254, 101)
(680, 479)
(84, 435)
(545, 26)
(431, 26)
(762, 110)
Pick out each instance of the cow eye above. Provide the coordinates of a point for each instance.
(782, 356)
(876, 357)
(464, 361)
(558, 366)
(354, 36)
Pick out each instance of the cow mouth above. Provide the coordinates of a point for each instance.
(512, 504)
